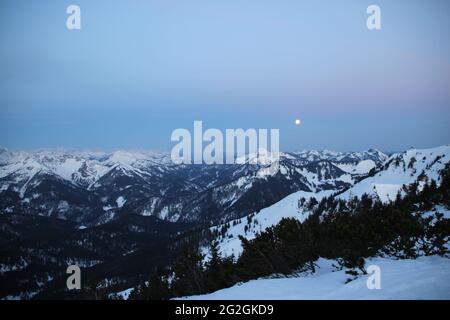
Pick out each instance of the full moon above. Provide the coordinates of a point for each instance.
(297, 122)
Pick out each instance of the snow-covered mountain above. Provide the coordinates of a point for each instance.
(64, 183)
(341, 157)
(114, 211)
(384, 183)
(414, 165)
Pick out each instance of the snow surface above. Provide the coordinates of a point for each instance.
(362, 167)
(413, 163)
(420, 279)
(270, 216)
(120, 201)
(435, 210)
(125, 293)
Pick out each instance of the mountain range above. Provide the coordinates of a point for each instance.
(91, 188)
(122, 213)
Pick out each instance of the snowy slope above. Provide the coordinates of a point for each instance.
(397, 171)
(289, 207)
(419, 279)
(362, 167)
(402, 169)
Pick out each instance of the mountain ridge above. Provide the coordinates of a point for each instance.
(157, 187)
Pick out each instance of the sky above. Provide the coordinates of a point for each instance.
(139, 69)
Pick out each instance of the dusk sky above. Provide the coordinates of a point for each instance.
(139, 69)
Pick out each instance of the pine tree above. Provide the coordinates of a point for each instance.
(216, 271)
(189, 273)
(158, 288)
